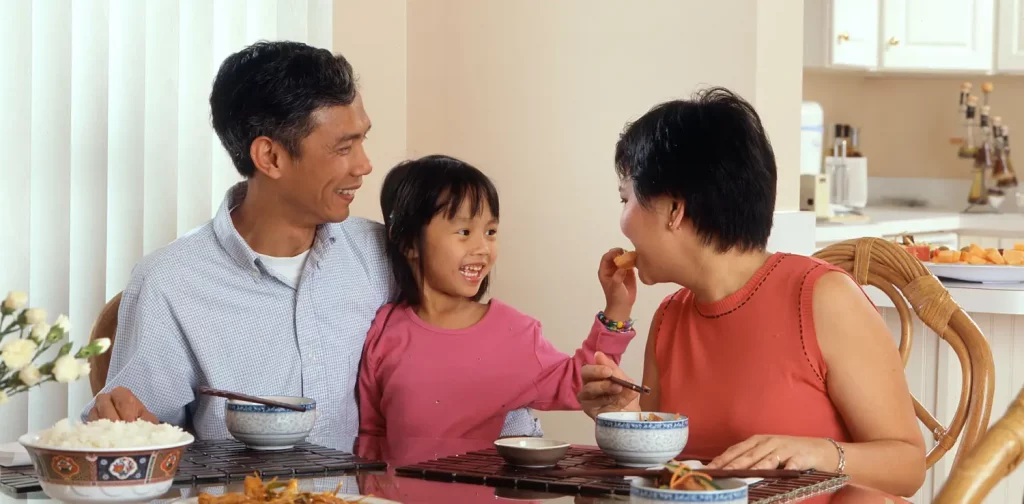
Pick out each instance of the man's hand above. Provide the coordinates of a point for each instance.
(120, 404)
(599, 395)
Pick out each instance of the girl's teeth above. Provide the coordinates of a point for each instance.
(346, 191)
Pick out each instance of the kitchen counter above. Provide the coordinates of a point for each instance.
(889, 221)
(997, 299)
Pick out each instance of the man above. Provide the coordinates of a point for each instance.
(275, 294)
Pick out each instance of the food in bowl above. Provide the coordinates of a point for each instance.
(649, 490)
(263, 427)
(277, 492)
(638, 440)
(105, 461)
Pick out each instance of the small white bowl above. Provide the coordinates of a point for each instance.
(633, 442)
(734, 491)
(88, 475)
(531, 452)
(263, 427)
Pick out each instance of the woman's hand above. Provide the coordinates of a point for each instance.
(599, 395)
(774, 452)
(619, 286)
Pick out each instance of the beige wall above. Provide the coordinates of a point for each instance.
(535, 93)
(372, 36)
(907, 121)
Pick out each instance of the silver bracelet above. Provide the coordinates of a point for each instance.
(842, 455)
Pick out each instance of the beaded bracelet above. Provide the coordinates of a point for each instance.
(614, 325)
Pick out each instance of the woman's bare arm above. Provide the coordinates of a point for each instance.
(866, 382)
(652, 401)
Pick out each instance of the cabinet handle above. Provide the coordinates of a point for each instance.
(893, 41)
(844, 37)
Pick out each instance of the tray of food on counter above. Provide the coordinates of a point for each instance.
(971, 263)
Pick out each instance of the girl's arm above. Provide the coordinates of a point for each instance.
(559, 379)
(371, 419)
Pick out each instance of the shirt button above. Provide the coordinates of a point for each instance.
(255, 274)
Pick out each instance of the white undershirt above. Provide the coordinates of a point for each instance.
(289, 268)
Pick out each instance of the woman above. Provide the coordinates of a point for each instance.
(778, 360)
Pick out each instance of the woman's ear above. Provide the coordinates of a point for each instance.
(675, 217)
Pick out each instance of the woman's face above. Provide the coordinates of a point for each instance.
(650, 231)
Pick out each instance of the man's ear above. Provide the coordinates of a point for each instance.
(268, 156)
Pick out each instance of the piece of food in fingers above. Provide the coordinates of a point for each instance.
(626, 260)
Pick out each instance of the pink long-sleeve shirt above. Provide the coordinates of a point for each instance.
(420, 381)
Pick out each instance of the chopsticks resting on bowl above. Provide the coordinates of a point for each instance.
(714, 473)
(248, 398)
(632, 386)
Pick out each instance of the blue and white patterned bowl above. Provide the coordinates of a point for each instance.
(734, 491)
(263, 427)
(633, 442)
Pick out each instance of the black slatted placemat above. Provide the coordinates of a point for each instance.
(486, 467)
(228, 460)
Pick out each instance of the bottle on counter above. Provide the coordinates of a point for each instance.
(968, 149)
(854, 148)
(1010, 176)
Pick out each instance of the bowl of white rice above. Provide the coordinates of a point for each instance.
(105, 461)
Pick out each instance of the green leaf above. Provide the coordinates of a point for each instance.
(64, 350)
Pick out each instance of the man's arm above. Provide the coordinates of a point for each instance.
(152, 372)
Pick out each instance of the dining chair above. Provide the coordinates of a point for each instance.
(890, 268)
(996, 455)
(104, 327)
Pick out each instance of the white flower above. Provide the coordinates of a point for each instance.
(29, 375)
(66, 369)
(3, 397)
(15, 301)
(102, 345)
(18, 353)
(63, 323)
(84, 368)
(39, 332)
(34, 316)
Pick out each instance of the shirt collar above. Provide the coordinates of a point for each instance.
(238, 248)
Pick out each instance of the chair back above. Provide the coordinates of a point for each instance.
(995, 456)
(105, 327)
(890, 268)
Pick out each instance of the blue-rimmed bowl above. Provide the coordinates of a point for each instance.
(263, 427)
(634, 441)
(733, 491)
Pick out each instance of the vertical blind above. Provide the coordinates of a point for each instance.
(108, 149)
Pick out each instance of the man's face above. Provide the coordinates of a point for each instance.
(322, 180)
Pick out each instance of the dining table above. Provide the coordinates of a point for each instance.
(391, 485)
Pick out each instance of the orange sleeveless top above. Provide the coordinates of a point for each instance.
(747, 364)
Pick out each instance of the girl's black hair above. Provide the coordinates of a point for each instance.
(413, 193)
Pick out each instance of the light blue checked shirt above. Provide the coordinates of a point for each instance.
(205, 310)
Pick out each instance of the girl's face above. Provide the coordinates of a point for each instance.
(459, 252)
(650, 230)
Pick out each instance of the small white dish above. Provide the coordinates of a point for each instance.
(635, 442)
(263, 427)
(644, 490)
(531, 452)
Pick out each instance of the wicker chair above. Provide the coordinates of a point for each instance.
(890, 268)
(998, 453)
(105, 327)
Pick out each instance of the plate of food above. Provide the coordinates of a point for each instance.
(972, 263)
(256, 491)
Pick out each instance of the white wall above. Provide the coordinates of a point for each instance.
(535, 93)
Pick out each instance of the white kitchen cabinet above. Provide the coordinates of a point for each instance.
(841, 33)
(943, 35)
(1010, 49)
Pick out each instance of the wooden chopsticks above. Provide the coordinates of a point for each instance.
(238, 396)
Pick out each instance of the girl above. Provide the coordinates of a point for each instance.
(438, 362)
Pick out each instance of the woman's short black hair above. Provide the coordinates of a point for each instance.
(272, 89)
(712, 153)
(413, 193)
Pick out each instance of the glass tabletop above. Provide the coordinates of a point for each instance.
(407, 451)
